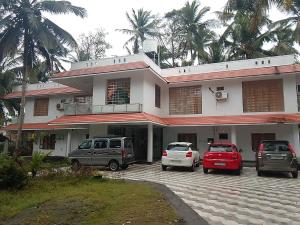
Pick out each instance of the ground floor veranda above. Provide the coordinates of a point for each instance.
(150, 138)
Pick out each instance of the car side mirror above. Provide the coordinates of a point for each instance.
(240, 150)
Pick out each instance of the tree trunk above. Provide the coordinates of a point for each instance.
(24, 86)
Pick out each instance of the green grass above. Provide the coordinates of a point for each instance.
(71, 200)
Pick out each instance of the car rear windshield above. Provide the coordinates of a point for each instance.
(278, 146)
(177, 147)
(220, 148)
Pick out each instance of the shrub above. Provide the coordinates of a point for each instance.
(36, 162)
(12, 175)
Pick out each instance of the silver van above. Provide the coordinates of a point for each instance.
(116, 153)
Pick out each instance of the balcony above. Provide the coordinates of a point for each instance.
(88, 108)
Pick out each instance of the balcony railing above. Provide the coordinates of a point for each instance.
(88, 108)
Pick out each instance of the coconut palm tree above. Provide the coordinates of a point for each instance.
(25, 26)
(193, 27)
(143, 24)
(215, 52)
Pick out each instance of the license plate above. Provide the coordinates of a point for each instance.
(220, 164)
(176, 161)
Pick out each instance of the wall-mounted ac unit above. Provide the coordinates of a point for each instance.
(221, 95)
(60, 106)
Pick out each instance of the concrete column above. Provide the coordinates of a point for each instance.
(150, 143)
(233, 135)
(295, 136)
(5, 150)
(69, 137)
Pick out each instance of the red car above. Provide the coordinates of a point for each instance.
(224, 156)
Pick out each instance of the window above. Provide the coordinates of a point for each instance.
(47, 142)
(83, 99)
(220, 148)
(258, 137)
(100, 144)
(115, 144)
(263, 96)
(177, 147)
(118, 91)
(220, 89)
(128, 143)
(157, 96)
(85, 145)
(185, 100)
(223, 136)
(41, 107)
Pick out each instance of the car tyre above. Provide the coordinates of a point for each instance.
(259, 173)
(124, 167)
(295, 174)
(238, 172)
(192, 168)
(198, 163)
(75, 165)
(113, 165)
(205, 170)
(163, 167)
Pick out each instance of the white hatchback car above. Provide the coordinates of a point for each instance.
(181, 154)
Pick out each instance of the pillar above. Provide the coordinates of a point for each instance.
(69, 137)
(150, 143)
(233, 135)
(295, 137)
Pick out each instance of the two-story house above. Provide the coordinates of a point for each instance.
(240, 101)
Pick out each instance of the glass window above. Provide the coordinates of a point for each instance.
(100, 144)
(47, 142)
(127, 143)
(85, 145)
(157, 96)
(220, 148)
(115, 144)
(278, 146)
(223, 136)
(177, 147)
(118, 91)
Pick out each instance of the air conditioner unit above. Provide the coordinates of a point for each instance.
(60, 106)
(221, 95)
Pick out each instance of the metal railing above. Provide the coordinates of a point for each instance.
(89, 108)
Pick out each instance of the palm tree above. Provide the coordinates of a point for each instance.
(193, 27)
(243, 40)
(142, 25)
(25, 27)
(215, 52)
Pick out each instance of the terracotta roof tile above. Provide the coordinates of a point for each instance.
(233, 120)
(234, 73)
(42, 92)
(102, 69)
(108, 118)
(34, 126)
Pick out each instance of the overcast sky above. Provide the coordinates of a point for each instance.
(110, 15)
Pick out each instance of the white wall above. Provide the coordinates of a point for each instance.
(53, 113)
(244, 142)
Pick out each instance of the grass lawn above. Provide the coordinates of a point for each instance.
(71, 200)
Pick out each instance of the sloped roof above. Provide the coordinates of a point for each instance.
(35, 126)
(44, 92)
(234, 73)
(102, 69)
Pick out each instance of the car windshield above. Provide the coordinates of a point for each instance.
(220, 148)
(177, 147)
(85, 145)
(281, 146)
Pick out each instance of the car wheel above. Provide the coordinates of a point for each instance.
(192, 168)
(75, 166)
(205, 170)
(124, 167)
(163, 167)
(238, 172)
(259, 173)
(198, 164)
(113, 165)
(295, 174)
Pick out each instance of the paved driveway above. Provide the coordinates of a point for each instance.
(223, 198)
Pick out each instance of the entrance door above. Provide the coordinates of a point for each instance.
(258, 137)
(192, 138)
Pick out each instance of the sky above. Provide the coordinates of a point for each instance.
(110, 15)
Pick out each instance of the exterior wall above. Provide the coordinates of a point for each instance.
(53, 113)
(244, 142)
(61, 143)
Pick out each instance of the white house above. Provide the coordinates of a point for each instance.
(240, 101)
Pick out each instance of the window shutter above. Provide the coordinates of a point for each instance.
(41, 106)
(263, 96)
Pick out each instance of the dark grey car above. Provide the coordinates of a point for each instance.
(276, 156)
(116, 152)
